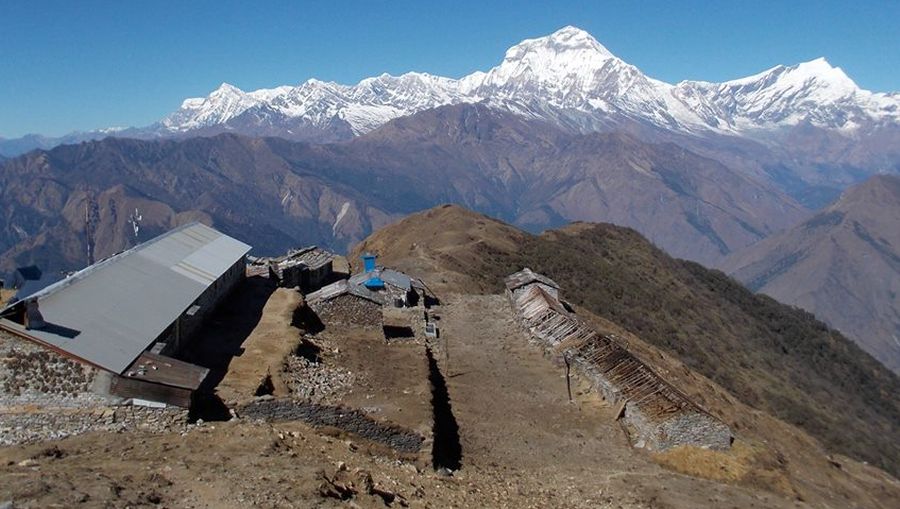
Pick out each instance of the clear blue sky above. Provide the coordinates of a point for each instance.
(70, 65)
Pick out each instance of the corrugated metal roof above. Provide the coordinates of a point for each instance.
(110, 312)
(328, 292)
(356, 285)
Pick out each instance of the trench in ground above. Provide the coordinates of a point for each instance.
(447, 450)
(208, 406)
(398, 332)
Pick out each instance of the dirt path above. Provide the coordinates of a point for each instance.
(517, 426)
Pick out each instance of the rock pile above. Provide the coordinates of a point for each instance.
(345, 419)
(314, 381)
(348, 310)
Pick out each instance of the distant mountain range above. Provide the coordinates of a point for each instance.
(572, 81)
(567, 77)
(843, 264)
(277, 194)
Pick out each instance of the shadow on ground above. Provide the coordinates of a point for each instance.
(225, 331)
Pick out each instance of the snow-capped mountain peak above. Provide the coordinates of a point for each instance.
(566, 77)
(269, 94)
(220, 106)
(567, 41)
(815, 92)
(569, 54)
(228, 89)
(816, 74)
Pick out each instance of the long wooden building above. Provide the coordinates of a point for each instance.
(657, 414)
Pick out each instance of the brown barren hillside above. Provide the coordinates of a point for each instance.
(67, 205)
(775, 358)
(843, 265)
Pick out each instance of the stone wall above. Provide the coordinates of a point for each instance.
(46, 396)
(343, 418)
(37, 426)
(689, 429)
(33, 375)
(349, 310)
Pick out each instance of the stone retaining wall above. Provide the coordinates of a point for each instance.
(349, 310)
(347, 419)
(45, 396)
(28, 426)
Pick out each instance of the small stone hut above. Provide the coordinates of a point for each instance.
(308, 268)
(360, 300)
(396, 288)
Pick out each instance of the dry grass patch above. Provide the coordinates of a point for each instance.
(744, 464)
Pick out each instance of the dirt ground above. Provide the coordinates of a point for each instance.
(519, 428)
(263, 352)
(391, 380)
(5, 295)
(223, 338)
(522, 443)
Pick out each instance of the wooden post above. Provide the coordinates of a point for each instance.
(568, 379)
(447, 354)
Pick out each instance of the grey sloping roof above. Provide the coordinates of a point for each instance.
(342, 287)
(313, 257)
(328, 292)
(389, 276)
(110, 312)
(527, 276)
(33, 286)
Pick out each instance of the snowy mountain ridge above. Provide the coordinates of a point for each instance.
(567, 73)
